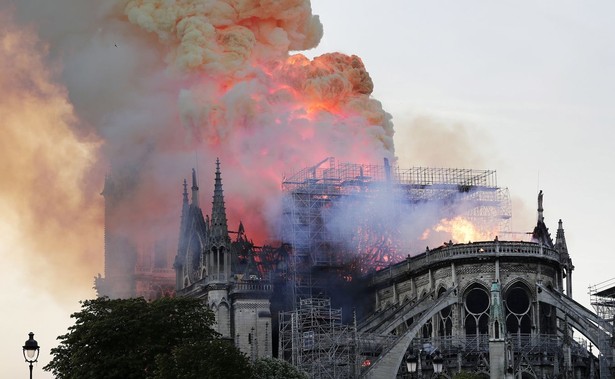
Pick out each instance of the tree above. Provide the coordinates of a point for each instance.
(203, 359)
(272, 368)
(136, 339)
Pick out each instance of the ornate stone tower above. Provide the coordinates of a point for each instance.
(218, 261)
(207, 267)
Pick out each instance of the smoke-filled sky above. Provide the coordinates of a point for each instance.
(523, 88)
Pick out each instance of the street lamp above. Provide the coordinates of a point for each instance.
(437, 362)
(30, 351)
(411, 362)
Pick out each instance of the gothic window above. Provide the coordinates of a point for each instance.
(445, 318)
(476, 303)
(221, 267)
(214, 253)
(427, 329)
(194, 259)
(214, 263)
(223, 319)
(518, 307)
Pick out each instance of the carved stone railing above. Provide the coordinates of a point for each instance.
(240, 287)
(475, 250)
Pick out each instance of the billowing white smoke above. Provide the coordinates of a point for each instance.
(383, 224)
(242, 97)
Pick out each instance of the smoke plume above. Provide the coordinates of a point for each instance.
(147, 89)
(50, 209)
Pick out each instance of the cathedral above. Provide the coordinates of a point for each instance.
(498, 308)
(209, 265)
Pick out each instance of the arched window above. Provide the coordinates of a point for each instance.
(445, 318)
(476, 303)
(518, 308)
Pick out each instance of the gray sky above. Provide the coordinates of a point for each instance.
(524, 88)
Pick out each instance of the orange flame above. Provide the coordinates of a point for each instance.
(462, 230)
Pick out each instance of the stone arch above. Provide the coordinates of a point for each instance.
(440, 289)
(387, 366)
(529, 286)
(223, 316)
(213, 306)
(583, 320)
(474, 282)
(422, 294)
(225, 302)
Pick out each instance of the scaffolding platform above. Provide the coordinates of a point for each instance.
(314, 339)
(357, 216)
(602, 298)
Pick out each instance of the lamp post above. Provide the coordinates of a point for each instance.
(30, 351)
(437, 362)
(411, 364)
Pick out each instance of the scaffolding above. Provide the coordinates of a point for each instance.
(314, 339)
(355, 218)
(602, 298)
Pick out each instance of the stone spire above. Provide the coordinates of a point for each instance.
(219, 228)
(195, 189)
(560, 241)
(185, 198)
(562, 249)
(540, 209)
(185, 209)
(178, 264)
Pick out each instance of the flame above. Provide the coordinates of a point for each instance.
(262, 110)
(462, 230)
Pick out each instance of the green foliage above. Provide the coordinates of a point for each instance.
(203, 359)
(134, 339)
(272, 368)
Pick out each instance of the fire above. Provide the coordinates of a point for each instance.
(260, 109)
(461, 230)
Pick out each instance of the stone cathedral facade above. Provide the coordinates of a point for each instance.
(497, 309)
(208, 266)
